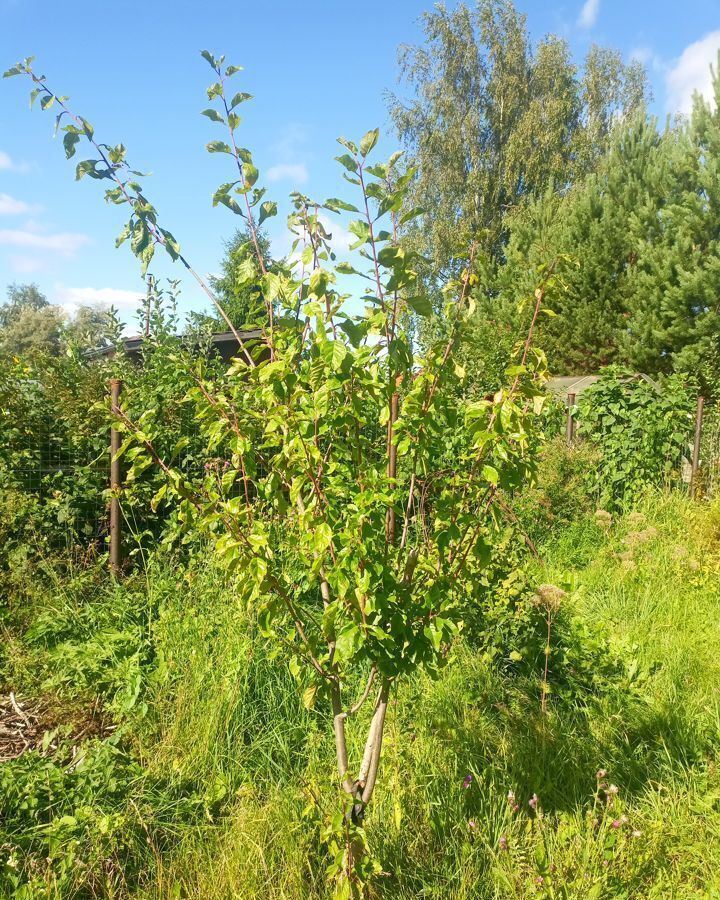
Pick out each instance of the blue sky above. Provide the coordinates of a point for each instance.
(316, 69)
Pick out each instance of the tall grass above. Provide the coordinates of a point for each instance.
(229, 803)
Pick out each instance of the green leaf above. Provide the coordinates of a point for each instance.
(69, 141)
(344, 268)
(334, 204)
(250, 174)
(218, 147)
(239, 98)
(267, 209)
(369, 141)
(309, 695)
(411, 214)
(213, 115)
(322, 536)
(490, 474)
(347, 642)
(420, 305)
(347, 161)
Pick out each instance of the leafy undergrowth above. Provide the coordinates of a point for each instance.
(208, 786)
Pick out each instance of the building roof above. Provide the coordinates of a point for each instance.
(223, 342)
(562, 385)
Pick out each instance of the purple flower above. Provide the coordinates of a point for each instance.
(600, 774)
(502, 843)
(539, 880)
(616, 823)
(467, 781)
(472, 824)
(533, 801)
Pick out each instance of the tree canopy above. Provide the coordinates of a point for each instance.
(493, 119)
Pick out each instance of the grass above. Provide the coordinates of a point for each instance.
(211, 787)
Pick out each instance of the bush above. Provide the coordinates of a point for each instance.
(640, 432)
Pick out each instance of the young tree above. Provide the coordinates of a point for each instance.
(354, 494)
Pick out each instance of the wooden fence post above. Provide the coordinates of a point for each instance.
(696, 447)
(115, 484)
(570, 423)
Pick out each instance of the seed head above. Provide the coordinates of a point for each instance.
(549, 597)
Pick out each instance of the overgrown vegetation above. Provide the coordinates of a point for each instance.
(381, 629)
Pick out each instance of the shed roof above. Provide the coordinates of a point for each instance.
(562, 385)
(223, 342)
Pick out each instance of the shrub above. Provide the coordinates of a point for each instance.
(640, 431)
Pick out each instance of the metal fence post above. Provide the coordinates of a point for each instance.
(570, 423)
(115, 484)
(696, 447)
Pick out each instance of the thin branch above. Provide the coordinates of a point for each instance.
(366, 693)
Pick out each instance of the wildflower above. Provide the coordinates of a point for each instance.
(616, 823)
(467, 781)
(539, 880)
(624, 820)
(472, 824)
(533, 801)
(606, 863)
(600, 774)
(636, 833)
(516, 807)
(511, 796)
(613, 790)
(502, 843)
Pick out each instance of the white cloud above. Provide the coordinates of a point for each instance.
(691, 72)
(26, 265)
(589, 13)
(9, 206)
(647, 57)
(292, 140)
(341, 238)
(7, 164)
(72, 298)
(64, 243)
(296, 172)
